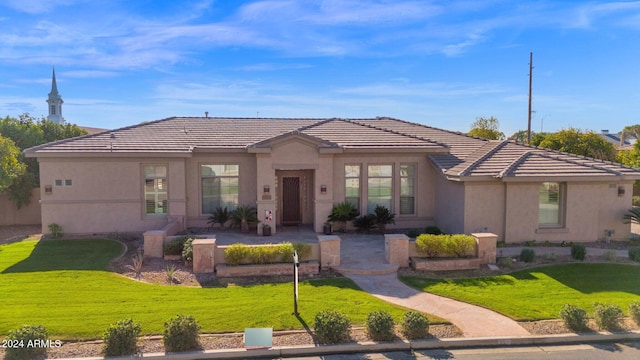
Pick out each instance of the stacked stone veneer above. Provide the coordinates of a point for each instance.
(329, 251)
(485, 253)
(154, 240)
(396, 249)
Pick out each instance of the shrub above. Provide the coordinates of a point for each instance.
(220, 216)
(244, 216)
(18, 340)
(332, 327)
(303, 250)
(610, 255)
(121, 338)
(415, 325)
(236, 253)
(460, 244)
(365, 223)
(527, 255)
(413, 233)
(137, 259)
(170, 272)
(263, 254)
(383, 217)
(181, 334)
(551, 257)
(578, 251)
(343, 212)
(56, 230)
(380, 325)
(430, 245)
(187, 251)
(574, 317)
(174, 247)
(634, 253)
(433, 230)
(607, 316)
(505, 261)
(634, 311)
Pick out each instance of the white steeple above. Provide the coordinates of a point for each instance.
(55, 102)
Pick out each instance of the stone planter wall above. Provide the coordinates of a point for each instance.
(445, 264)
(307, 268)
(484, 254)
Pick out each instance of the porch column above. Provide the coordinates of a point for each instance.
(323, 199)
(266, 183)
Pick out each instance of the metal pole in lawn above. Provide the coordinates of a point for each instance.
(295, 282)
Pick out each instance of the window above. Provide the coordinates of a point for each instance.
(58, 182)
(352, 185)
(68, 182)
(407, 189)
(219, 187)
(550, 200)
(379, 181)
(53, 109)
(155, 189)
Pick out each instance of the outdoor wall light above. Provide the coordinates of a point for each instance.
(323, 189)
(266, 189)
(621, 191)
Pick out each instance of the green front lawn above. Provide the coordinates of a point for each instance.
(65, 286)
(540, 293)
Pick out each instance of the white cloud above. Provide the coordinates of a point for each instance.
(38, 6)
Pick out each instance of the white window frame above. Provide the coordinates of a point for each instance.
(413, 186)
(157, 192)
(561, 198)
(370, 208)
(359, 178)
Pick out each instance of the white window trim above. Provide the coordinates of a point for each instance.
(415, 189)
(360, 197)
(145, 214)
(393, 184)
(562, 207)
(200, 193)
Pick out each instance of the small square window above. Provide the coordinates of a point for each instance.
(58, 182)
(67, 182)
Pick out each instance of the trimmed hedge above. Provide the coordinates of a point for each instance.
(238, 254)
(380, 326)
(457, 245)
(574, 317)
(121, 338)
(332, 327)
(415, 325)
(634, 253)
(181, 334)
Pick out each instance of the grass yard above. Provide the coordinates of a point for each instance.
(540, 293)
(65, 286)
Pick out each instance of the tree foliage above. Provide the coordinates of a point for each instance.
(486, 128)
(576, 142)
(630, 157)
(25, 132)
(628, 131)
(10, 166)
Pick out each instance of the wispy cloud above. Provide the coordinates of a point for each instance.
(38, 6)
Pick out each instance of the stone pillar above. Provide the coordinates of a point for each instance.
(396, 249)
(204, 255)
(154, 243)
(329, 251)
(486, 247)
(266, 180)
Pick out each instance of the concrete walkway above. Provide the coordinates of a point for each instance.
(473, 321)
(363, 261)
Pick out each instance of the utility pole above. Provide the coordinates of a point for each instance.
(530, 86)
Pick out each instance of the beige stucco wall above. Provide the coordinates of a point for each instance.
(449, 205)
(26, 215)
(484, 208)
(590, 209)
(106, 195)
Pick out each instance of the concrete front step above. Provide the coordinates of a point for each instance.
(381, 269)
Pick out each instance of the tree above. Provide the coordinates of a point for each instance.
(26, 132)
(576, 142)
(10, 166)
(486, 128)
(628, 131)
(630, 157)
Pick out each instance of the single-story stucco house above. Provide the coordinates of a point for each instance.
(140, 177)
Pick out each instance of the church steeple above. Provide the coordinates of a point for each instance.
(55, 102)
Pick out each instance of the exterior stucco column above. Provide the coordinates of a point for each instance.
(266, 178)
(204, 255)
(486, 247)
(323, 199)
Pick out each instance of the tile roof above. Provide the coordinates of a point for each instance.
(455, 154)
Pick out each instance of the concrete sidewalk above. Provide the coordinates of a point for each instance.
(473, 321)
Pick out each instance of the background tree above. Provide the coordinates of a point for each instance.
(628, 131)
(486, 128)
(576, 142)
(10, 166)
(630, 157)
(26, 132)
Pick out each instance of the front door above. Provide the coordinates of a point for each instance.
(291, 213)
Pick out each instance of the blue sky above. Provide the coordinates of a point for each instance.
(441, 63)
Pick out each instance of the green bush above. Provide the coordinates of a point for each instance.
(174, 247)
(236, 253)
(56, 230)
(332, 327)
(343, 212)
(431, 245)
(303, 250)
(574, 317)
(610, 255)
(121, 338)
(634, 311)
(21, 341)
(220, 216)
(527, 255)
(415, 325)
(433, 230)
(383, 217)
(607, 316)
(187, 251)
(264, 254)
(412, 233)
(578, 251)
(181, 334)
(634, 253)
(505, 261)
(380, 326)
(460, 245)
(635, 200)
